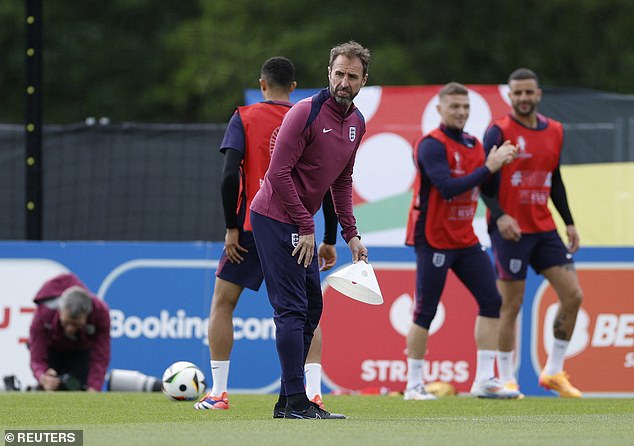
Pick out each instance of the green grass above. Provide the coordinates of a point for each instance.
(123, 419)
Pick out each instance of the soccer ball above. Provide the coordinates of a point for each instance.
(183, 381)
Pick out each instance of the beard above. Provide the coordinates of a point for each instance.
(527, 110)
(341, 100)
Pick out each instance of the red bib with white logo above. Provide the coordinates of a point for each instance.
(448, 224)
(525, 183)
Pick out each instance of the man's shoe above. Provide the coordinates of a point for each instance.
(317, 400)
(278, 411)
(513, 385)
(560, 382)
(312, 412)
(418, 393)
(494, 389)
(208, 401)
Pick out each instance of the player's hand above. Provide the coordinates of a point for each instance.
(305, 249)
(49, 380)
(326, 256)
(499, 156)
(509, 228)
(359, 252)
(573, 238)
(232, 245)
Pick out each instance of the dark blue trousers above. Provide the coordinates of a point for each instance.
(471, 265)
(294, 293)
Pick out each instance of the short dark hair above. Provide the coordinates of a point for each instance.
(522, 74)
(453, 88)
(278, 71)
(351, 49)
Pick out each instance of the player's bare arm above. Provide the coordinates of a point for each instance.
(49, 380)
(359, 251)
(326, 256)
(499, 156)
(232, 245)
(509, 228)
(573, 238)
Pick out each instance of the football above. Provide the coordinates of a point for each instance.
(183, 381)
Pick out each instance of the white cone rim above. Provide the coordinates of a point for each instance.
(357, 281)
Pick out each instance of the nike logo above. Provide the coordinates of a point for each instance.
(325, 130)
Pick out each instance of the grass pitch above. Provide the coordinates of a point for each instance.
(123, 419)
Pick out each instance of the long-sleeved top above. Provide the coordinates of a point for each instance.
(314, 151)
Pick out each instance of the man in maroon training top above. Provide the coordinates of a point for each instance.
(314, 152)
(69, 338)
(247, 146)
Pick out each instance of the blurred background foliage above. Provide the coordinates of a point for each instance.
(190, 60)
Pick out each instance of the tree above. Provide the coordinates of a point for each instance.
(190, 61)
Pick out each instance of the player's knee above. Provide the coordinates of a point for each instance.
(490, 309)
(489, 305)
(574, 298)
(423, 320)
(223, 302)
(512, 307)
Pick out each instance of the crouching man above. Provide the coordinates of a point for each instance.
(69, 338)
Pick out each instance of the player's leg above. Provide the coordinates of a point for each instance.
(286, 287)
(551, 259)
(566, 284)
(295, 318)
(315, 307)
(512, 292)
(312, 369)
(231, 279)
(220, 329)
(511, 264)
(475, 271)
(431, 274)
(220, 336)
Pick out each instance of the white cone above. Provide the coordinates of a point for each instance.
(358, 282)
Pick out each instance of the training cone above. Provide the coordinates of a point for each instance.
(358, 282)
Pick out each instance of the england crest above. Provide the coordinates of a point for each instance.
(438, 259)
(294, 240)
(352, 133)
(515, 265)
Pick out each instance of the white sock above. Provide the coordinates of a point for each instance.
(313, 379)
(219, 376)
(414, 372)
(485, 367)
(555, 362)
(506, 370)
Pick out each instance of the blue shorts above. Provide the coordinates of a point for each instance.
(248, 273)
(540, 250)
(471, 265)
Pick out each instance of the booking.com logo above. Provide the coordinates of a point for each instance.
(182, 326)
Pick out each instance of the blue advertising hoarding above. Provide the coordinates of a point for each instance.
(160, 293)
